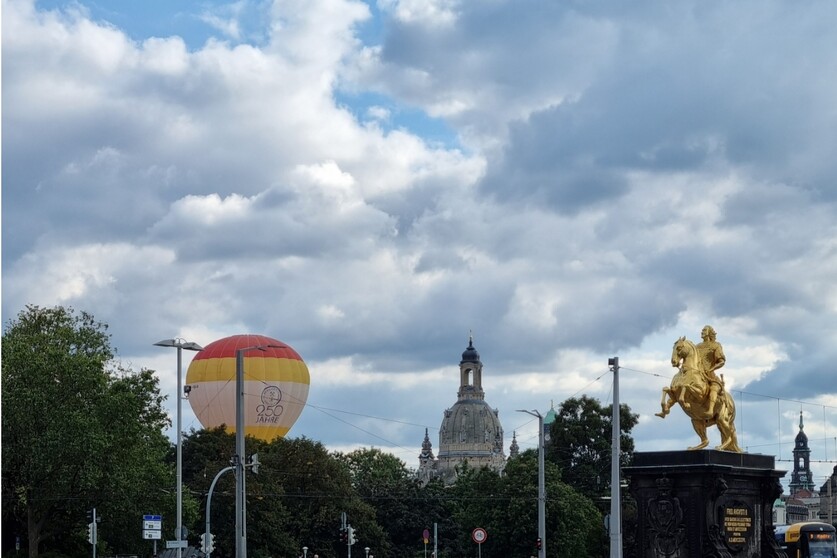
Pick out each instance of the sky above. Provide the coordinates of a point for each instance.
(374, 182)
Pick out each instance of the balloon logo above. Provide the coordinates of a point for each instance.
(276, 384)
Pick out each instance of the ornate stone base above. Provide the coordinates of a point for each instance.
(698, 504)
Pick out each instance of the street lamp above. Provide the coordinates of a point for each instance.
(179, 344)
(541, 485)
(367, 551)
(304, 552)
(240, 486)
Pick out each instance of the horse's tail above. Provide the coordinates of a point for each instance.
(729, 403)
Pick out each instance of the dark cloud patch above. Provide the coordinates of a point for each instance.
(543, 166)
(805, 377)
(665, 89)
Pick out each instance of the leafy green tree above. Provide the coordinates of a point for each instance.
(76, 435)
(580, 443)
(318, 489)
(506, 506)
(481, 501)
(384, 482)
(295, 500)
(436, 504)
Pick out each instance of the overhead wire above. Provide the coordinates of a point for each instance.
(330, 411)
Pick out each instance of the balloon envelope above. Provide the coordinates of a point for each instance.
(276, 384)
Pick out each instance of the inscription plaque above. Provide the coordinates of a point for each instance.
(737, 524)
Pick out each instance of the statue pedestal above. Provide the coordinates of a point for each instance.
(708, 503)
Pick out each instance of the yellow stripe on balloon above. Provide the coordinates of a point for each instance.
(258, 369)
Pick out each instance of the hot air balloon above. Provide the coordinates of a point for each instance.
(276, 384)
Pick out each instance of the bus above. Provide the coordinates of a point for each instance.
(809, 539)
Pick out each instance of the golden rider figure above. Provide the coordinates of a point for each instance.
(712, 357)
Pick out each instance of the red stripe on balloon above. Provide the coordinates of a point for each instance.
(228, 346)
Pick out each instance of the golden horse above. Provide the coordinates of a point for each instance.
(690, 389)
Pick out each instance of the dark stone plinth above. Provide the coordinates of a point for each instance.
(698, 504)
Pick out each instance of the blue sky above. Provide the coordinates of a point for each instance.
(198, 22)
(370, 182)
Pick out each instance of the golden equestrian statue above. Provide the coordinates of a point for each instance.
(700, 391)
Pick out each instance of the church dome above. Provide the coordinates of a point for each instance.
(471, 422)
(470, 354)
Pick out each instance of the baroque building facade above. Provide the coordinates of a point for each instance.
(470, 432)
(828, 499)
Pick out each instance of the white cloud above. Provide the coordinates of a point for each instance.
(623, 178)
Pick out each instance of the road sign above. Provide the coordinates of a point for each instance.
(426, 536)
(479, 535)
(152, 526)
(176, 544)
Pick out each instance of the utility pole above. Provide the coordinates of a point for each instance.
(240, 488)
(541, 484)
(615, 496)
(239, 459)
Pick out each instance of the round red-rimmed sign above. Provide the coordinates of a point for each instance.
(479, 535)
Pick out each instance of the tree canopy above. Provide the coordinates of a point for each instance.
(78, 432)
(580, 443)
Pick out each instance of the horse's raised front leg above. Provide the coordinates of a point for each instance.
(700, 429)
(666, 405)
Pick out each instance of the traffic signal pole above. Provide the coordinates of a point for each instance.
(208, 531)
(92, 530)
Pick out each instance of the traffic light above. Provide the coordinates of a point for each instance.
(344, 535)
(207, 542)
(352, 533)
(539, 543)
(91, 526)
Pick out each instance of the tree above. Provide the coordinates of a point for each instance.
(76, 434)
(295, 500)
(384, 482)
(580, 443)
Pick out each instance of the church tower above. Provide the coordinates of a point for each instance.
(470, 432)
(801, 478)
(427, 462)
